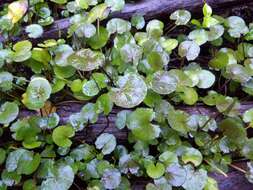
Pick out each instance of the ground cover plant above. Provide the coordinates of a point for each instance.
(139, 66)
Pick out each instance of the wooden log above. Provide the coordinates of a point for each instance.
(90, 133)
(235, 180)
(150, 9)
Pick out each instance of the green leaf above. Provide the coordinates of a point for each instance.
(192, 155)
(90, 88)
(99, 39)
(9, 179)
(169, 44)
(248, 116)
(139, 123)
(247, 149)
(6, 80)
(195, 180)
(154, 28)
(62, 134)
(8, 112)
(34, 30)
(2, 156)
(106, 142)
(22, 161)
(206, 79)
(99, 12)
(104, 103)
(16, 10)
(41, 55)
(189, 49)
(163, 82)
(168, 158)
(200, 36)
(155, 171)
(61, 54)
(118, 25)
(85, 30)
(22, 51)
(59, 1)
(211, 184)
(220, 60)
(29, 184)
(207, 10)
(62, 178)
(23, 131)
(64, 72)
(188, 95)
(131, 91)
(86, 59)
(111, 178)
(237, 26)
(234, 129)
(121, 119)
(138, 21)
(37, 92)
(215, 32)
(176, 175)
(115, 5)
(131, 53)
(178, 120)
(181, 17)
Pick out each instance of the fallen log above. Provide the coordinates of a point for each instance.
(150, 9)
(108, 123)
(235, 179)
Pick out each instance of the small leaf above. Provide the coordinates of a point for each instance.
(219, 61)
(192, 155)
(90, 88)
(176, 174)
(207, 10)
(86, 59)
(62, 134)
(115, 5)
(200, 36)
(106, 142)
(138, 21)
(237, 26)
(131, 91)
(163, 82)
(211, 184)
(189, 49)
(99, 39)
(181, 17)
(61, 178)
(8, 112)
(155, 171)
(98, 12)
(6, 80)
(16, 10)
(206, 79)
(139, 123)
(111, 178)
(34, 30)
(118, 25)
(37, 92)
(122, 119)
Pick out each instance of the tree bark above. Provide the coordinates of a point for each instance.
(150, 9)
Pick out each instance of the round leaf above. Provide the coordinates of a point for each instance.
(131, 91)
(8, 112)
(62, 134)
(106, 142)
(86, 59)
